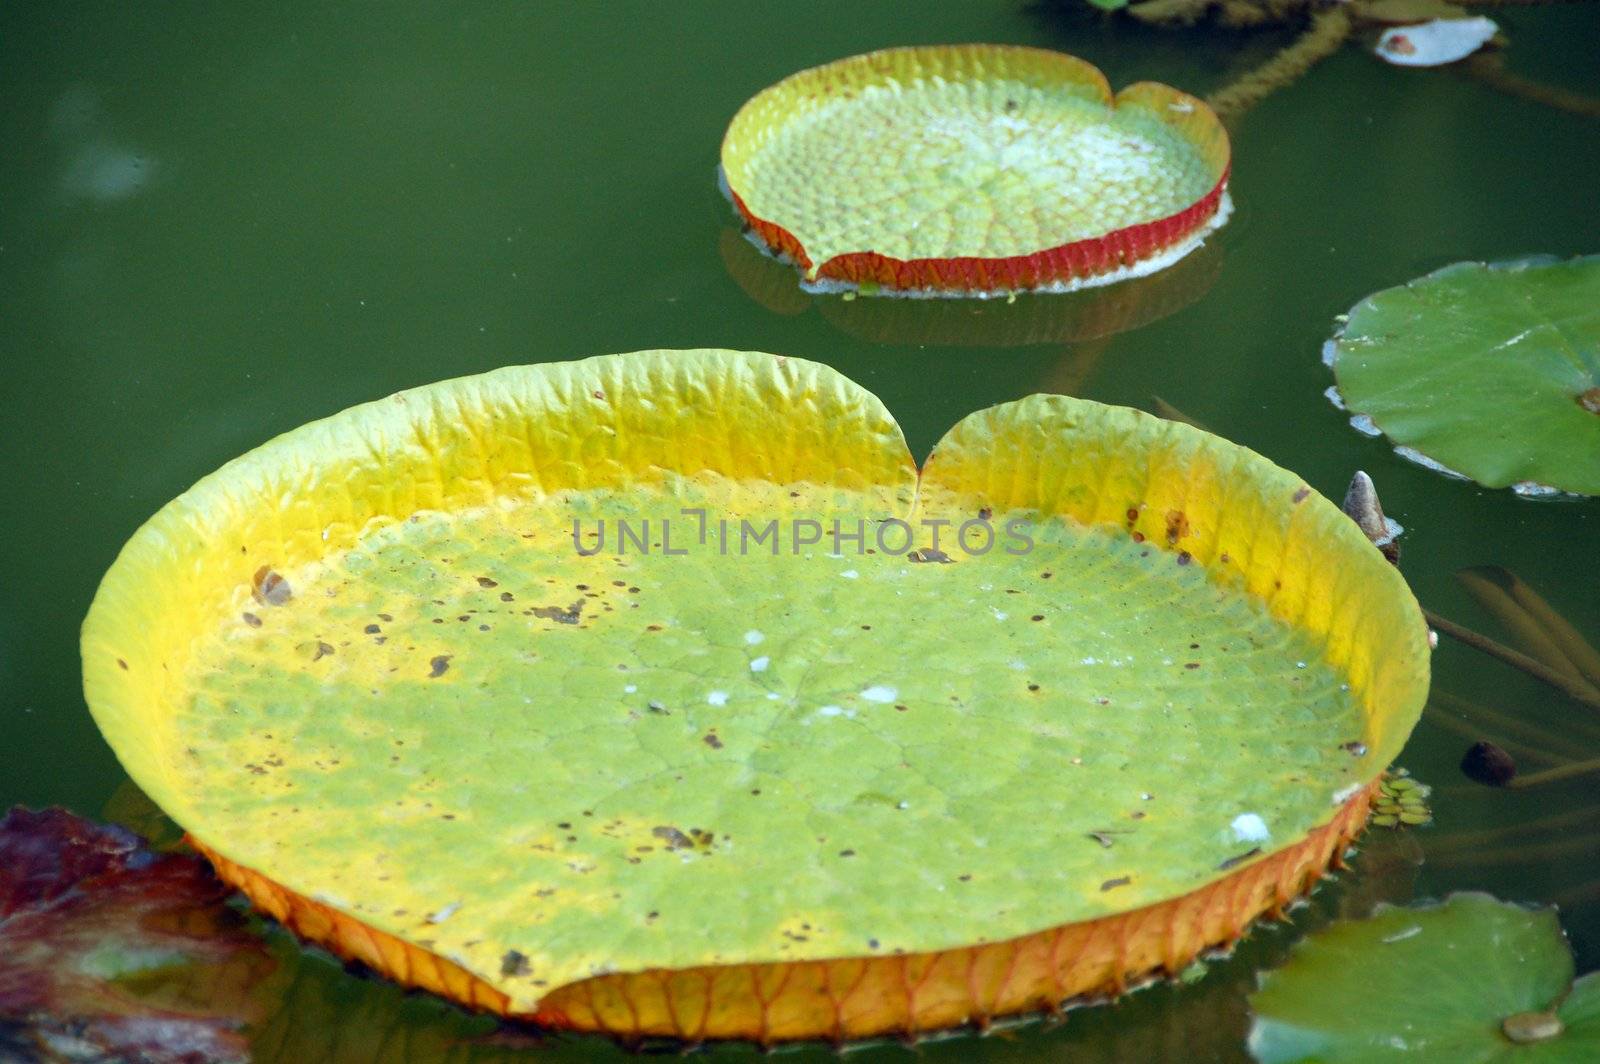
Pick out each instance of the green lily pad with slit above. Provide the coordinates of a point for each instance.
(1490, 371)
(676, 662)
(1473, 980)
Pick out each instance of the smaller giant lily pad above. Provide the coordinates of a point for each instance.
(974, 169)
(1470, 980)
(1490, 371)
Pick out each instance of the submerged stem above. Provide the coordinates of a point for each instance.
(1518, 855)
(1491, 70)
(1555, 775)
(1474, 732)
(1327, 31)
(1576, 690)
(1555, 744)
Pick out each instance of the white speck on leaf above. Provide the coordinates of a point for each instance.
(760, 664)
(717, 698)
(1248, 827)
(880, 693)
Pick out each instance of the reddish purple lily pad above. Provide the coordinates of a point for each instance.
(109, 950)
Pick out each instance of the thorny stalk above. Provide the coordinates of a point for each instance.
(1327, 31)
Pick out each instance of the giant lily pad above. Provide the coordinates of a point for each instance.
(739, 778)
(1487, 370)
(974, 169)
(1469, 981)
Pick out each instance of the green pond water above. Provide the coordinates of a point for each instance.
(218, 224)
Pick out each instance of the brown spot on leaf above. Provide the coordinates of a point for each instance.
(1590, 400)
(514, 963)
(569, 615)
(484, 581)
(1300, 496)
(438, 666)
(711, 740)
(929, 554)
(1238, 859)
(269, 588)
(123, 665)
(1177, 525)
(251, 619)
(1184, 557)
(1113, 884)
(675, 839)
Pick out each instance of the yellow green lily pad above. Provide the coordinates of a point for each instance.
(1472, 980)
(1487, 371)
(974, 170)
(636, 694)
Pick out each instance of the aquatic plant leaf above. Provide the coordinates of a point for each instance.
(1432, 983)
(974, 169)
(1435, 42)
(487, 746)
(1488, 370)
(110, 951)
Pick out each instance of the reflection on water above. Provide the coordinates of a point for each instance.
(1047, 318)
(96, 166)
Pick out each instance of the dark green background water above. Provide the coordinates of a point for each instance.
(218, 224)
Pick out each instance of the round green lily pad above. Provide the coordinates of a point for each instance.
(674, 663)
(1490, 371)
(1469, 981)
(972, 170)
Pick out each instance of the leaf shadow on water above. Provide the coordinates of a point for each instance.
(1033, 318)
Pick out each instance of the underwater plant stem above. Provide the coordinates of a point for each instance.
(1490, 69)
(1514, 605)
(1519, 855)
(1515, 3)
(1462, 840)
(1170, 12)
(1555, 775)
(1474, 732)
(1327, 31)
(1576, 690)
(1553, 744)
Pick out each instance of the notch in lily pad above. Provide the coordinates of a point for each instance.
(974, 170)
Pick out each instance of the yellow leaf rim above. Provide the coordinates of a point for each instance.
(1120, 252)
(593, 423)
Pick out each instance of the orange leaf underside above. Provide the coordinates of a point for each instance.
(1078, 260)
(859, 997)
